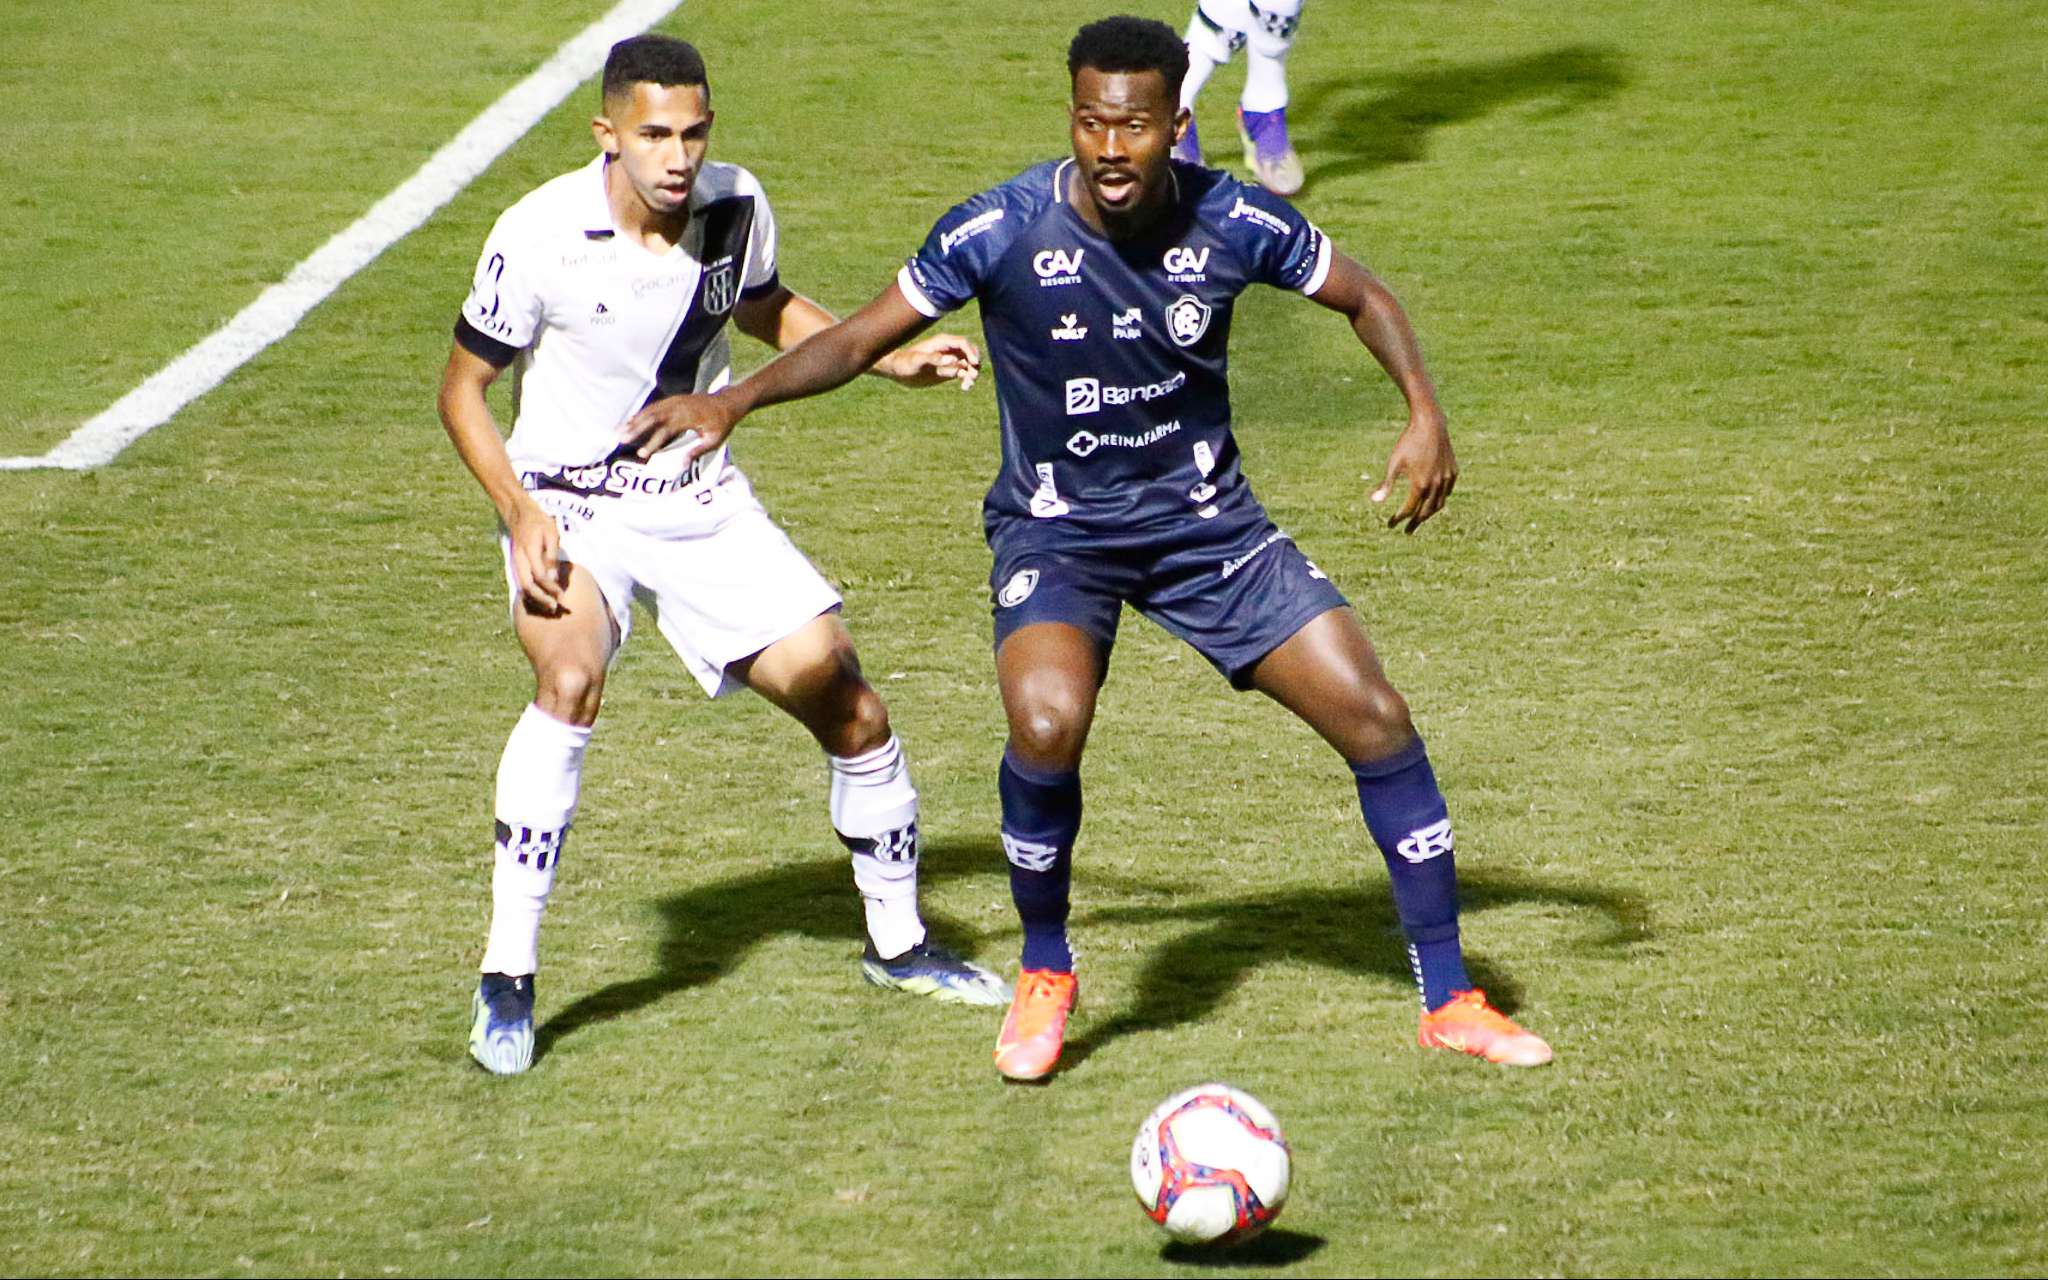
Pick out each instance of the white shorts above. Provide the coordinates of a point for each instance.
(723, 583)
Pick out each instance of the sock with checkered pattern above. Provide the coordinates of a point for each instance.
(537, 781)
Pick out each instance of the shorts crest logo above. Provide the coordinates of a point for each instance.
(1187, 319)
(1018, 589)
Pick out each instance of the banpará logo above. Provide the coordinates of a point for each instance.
(1086, 395)
(1185, 264)
(969, 229)
(1018, 589)
(1187, 319)
(1428, 842)
(1057, 266)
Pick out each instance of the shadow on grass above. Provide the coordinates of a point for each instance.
(1273, 1247)
(709, 929)
(1340, 132)
(1350, 930)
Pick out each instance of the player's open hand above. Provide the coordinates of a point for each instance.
(706, 419)
(1423, 454)
(537, 560)
(942, 357)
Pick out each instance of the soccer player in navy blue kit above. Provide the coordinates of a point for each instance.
(1106, 283)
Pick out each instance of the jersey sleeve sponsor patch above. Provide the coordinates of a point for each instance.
(503, 311)
(1284, 248)
(955, 259)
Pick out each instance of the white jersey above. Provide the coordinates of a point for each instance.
(596, 326)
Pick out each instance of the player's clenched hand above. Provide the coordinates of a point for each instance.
(537, 560)
(650, 430)
(1423, 454)
(942, 357)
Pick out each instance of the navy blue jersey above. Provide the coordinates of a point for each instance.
(1111, 356)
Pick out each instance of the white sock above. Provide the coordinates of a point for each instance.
(874, 810)
(537, 781)
(1265, 82)
(1208, 49)
(1266, 45)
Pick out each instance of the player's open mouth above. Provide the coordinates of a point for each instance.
(1116, 186)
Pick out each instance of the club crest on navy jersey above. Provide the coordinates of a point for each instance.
(1187, 319)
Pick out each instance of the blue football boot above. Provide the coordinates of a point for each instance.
(501, 1024)
(928, 969)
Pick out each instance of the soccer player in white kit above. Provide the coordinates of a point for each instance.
(605, 290)
(1265, 30)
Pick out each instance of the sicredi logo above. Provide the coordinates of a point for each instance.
(1057, 266)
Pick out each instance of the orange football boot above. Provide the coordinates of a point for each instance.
(1470, 1025)
(1036, 1028)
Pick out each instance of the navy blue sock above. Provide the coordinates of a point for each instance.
(1409, 821)
(1041, 817)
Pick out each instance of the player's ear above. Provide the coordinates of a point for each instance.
(607, 137)
(1181, 120)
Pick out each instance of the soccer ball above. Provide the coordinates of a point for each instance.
(1210, 1166)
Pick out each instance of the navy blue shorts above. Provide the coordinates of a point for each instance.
(1235, 600)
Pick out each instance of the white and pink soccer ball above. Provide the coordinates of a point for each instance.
(1210, 1166)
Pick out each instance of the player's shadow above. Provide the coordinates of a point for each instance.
(1356, 126)
(706, 931)
(1354, 930)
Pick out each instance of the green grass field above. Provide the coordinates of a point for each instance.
(1730, 651)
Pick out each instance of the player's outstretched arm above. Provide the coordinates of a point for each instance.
(829, 358)
(536, 542)
(1423, 453)
(785, 319)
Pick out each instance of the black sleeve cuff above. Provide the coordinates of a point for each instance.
(482, 345)
(757, 292)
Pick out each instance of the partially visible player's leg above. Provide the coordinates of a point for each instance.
(1050, 673)
(814, 674)
(1216, 31)
(539, 775)
(1328, 674)
(1262, 109)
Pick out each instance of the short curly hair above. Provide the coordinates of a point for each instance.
(1125, 43)
(653, 59)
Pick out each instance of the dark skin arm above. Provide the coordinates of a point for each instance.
(818, 356)
(1423, 453)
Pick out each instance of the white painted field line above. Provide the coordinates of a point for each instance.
(278, 310)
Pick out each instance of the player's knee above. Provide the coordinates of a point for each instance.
(1050, 732)
(866, 725)
(571, 692)
(1381, 720)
